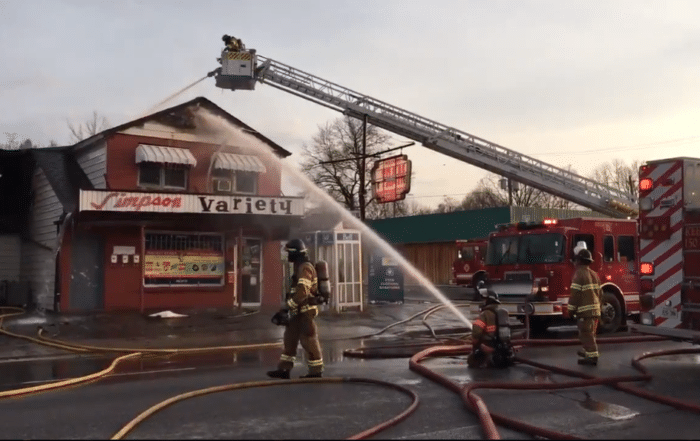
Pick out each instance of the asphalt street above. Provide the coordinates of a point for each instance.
(333, 411)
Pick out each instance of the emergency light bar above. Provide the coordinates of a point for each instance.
(646, 268)
(548, 221)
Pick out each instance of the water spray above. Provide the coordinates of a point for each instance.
(222, 132)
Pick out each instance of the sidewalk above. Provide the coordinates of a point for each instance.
(197, 328)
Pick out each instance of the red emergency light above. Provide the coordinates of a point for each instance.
(646, 184)
(548, 221)
(646, 268)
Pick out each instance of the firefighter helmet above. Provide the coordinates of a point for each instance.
(584, 256)
(295, 250)
(492, 298)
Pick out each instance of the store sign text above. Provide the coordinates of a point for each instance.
(116, 201)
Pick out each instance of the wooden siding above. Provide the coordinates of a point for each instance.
(38, 254)
(93, 161)
(434, 260)
(9, 257)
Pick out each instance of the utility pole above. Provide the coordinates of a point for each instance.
(362, 168)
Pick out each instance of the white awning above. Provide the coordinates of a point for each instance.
(164, 155)
(232, 161)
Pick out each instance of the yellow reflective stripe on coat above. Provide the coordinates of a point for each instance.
(309, 308)
(575, 286)
(292, 304)
(306, 282)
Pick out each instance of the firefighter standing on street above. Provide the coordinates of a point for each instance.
(491, 346)
(301, 308)
(584, 306)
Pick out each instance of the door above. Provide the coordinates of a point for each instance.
(87, 273)
(251, 271)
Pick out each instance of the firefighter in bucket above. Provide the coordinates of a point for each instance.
(491, 343)
(301, 309)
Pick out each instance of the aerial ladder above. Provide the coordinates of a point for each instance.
(242, 68)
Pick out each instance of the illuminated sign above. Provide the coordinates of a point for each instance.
(391, 179)
(161, 266)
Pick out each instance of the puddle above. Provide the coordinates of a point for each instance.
(608, 410)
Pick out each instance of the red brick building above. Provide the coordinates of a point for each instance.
(179, 209)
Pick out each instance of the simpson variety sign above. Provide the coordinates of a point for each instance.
(127, 202)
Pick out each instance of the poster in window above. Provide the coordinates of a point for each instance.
(183, 267)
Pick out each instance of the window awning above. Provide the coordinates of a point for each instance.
(164, 155)
(232, 161)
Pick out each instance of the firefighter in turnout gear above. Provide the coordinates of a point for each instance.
(301, 309)
(491, 344)
(584, 305)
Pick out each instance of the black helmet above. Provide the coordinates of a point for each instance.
(295, 249)
(584, 256)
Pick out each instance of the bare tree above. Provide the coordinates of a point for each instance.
(88, 128)
(334, 159)
(620, 176)
(14, 143)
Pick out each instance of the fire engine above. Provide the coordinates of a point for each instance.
(669, 241)
(531, 263)
(468, 267)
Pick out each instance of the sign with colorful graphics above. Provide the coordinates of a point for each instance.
(190, 267)
(129, 202)
(391, 179)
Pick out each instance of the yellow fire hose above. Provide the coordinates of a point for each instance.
(150, 352)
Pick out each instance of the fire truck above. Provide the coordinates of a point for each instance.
(243, 69)
(468, 267)
(530, 266)
(669, 241)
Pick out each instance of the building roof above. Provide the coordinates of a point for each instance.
(181, 116)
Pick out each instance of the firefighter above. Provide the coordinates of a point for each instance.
(584, 306)
(301, 310)
(491, 345)
(233, 44)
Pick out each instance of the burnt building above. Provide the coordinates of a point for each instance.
(179, 209)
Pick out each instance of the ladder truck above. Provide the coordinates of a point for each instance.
(669, 242)
(242, 69)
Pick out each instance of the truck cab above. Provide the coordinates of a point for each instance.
(468, 267)
(532, 263)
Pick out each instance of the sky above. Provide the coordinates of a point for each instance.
(573, 83)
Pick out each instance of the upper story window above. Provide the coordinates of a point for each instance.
(163, 167)
(233, 173)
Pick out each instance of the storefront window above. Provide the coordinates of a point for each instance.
(173, 259)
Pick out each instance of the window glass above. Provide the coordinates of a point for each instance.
(466, 253)
(625, 248)
(541, 248)
(175, 177)
(149, 173)
(502, 250)
(608, 248)
(246, 182)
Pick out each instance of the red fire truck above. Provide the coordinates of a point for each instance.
(669, 238)
(468, 267)
(532, 263)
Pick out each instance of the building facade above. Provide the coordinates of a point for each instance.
(180, 209)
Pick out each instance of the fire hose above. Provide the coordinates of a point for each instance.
(153, 352)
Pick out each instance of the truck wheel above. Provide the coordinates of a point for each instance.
(610, 314)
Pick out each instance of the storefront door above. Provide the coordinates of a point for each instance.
(87, 267)
(251, 271)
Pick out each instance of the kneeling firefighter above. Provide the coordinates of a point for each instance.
(491, 344)
(301, 308)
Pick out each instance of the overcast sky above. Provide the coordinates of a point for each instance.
(575, 83)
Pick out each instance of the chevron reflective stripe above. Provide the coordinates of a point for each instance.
(289, 358)
(239, 56)
(665, 255)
